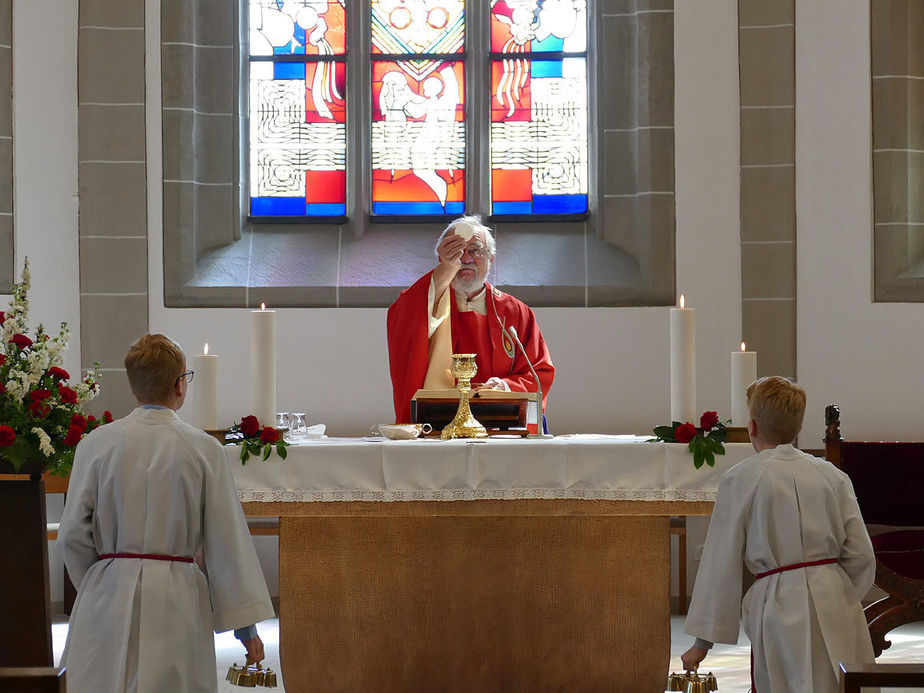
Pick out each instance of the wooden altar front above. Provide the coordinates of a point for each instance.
(535, 589)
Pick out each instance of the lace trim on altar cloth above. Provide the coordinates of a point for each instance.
(299, 496)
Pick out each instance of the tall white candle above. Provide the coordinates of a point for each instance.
(683, 364)
(743, 373)
(263, 365)
(205, 390)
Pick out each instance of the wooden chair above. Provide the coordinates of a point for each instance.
(888, 478)
(37, 679)
(855, 677)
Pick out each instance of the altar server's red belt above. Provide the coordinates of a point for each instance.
(795, 566)
(148, 556)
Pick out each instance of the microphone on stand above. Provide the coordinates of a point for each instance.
(540, 423)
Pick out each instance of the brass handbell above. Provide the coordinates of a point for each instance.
(251, 676)
(692, 682)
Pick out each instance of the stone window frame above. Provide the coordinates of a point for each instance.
(897, 93)
(214, 257)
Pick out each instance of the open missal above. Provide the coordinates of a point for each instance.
(495, 409)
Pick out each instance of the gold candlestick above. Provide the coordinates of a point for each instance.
(464, 425)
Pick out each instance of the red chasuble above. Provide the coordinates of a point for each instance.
(408, 344)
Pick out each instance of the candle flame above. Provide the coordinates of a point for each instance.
(262, 306)
(742, 346)
(681, 300)
(205, 349)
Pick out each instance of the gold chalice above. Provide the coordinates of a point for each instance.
(464, 425)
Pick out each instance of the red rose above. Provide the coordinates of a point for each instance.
(250, 426)
(91, 419)
(58, 373)
(685, 433)
(708, 420)
(107, 416)
(39, 409)
(39, 395)
(73, 436)
(2, 317)
(2, 388)
(21, 341)
(269, 435)
(78, 421)
(7, 434)
(68, 396)
(2, 359)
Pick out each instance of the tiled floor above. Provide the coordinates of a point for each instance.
(728, 662)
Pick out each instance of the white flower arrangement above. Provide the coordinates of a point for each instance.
(41, 413)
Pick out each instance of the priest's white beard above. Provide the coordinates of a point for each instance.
(473, 285)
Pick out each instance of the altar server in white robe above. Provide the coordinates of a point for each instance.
(146, 493)
(792, 520)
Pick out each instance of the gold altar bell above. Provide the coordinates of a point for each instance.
(251, 676)
(691, 682)
(464, 425)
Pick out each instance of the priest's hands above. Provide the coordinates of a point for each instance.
(692, 657)
(450, 252)
(255, 653)
(494, 383)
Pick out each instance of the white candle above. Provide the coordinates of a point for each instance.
(683, 364)
(743, 373)
(263, 365)
(205, 390)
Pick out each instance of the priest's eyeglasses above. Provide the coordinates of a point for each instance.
(476, 251)
(187, 376)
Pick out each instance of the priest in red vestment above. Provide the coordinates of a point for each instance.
(452, 310)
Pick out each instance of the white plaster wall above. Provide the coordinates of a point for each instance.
(863, 356)
(45, 162)
(45, 181)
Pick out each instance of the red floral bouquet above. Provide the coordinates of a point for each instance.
(256, 440)
(41, 406)
(704, 442)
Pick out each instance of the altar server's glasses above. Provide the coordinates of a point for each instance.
(187, 376)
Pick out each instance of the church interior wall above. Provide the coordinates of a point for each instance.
(613, 371)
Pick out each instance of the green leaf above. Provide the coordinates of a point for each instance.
(281, 450)
(267, 451)
(245, 454)
(710, 458)
(665, 433)
(698, 458)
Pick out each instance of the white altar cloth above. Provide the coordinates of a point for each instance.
(586, 467)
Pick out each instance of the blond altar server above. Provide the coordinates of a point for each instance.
(146, 493)
(792, 520)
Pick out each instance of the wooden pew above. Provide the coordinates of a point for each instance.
(32, 680)
(855, 677)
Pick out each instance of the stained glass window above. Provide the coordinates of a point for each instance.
(538, 107)
(297, 108)
(418, 107)
(416, 121)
